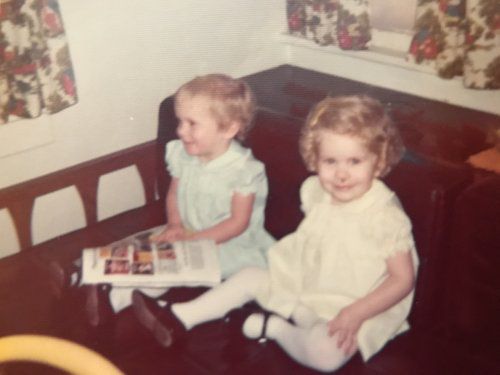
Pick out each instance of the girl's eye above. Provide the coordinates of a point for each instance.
(355, 161)
(188, 123)
(330, 161)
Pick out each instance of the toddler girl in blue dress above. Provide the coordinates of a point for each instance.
(218, 190)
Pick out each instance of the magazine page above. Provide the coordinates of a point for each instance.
(138, 262)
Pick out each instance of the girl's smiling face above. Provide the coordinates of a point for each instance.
(346, 167)
(198, 128)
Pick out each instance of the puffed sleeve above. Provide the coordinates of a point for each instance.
(311, 193)
(174, 154)
(250, 177)
(394, 230)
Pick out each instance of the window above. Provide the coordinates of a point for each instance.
(384, 26)
(392, 25)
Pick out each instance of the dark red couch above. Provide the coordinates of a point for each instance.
(432, 192)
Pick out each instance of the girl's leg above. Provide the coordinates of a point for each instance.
(312, 347)
(121, 297)
(234, 292)
(304, 317)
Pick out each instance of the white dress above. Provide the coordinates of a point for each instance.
(338, 255)
(204, 198)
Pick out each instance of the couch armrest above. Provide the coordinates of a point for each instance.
(428, 191)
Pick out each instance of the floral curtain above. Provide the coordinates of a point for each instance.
(460, 37)
(36, 74)
(343, 23)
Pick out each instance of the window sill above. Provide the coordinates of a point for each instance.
(375, 54)
(388, 70)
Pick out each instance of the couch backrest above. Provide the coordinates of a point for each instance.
(274, 141)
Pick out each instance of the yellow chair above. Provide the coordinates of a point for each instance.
(62, 354)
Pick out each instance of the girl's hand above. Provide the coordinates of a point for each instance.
(171, 233)
(346, 325)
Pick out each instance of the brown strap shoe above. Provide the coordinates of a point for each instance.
(161, 322)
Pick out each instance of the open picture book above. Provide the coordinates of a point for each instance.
(136, 261)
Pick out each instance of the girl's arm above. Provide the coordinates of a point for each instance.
(173, 215)
(399, 282)
(234, 225)
(175, 229)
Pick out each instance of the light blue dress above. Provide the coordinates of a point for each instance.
(204, 198)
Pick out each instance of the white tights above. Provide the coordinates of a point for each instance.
(237, 290)
(307, 341)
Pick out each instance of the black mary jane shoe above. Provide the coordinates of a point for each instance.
(262, 338)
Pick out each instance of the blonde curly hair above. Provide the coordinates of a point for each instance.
(230, 100)
(357, 115)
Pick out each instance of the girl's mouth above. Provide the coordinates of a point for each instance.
(342, 187)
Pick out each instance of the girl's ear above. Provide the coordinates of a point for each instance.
(381, 162)
(380, 168)
(232, 130)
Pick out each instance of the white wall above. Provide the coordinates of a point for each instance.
(128, 55)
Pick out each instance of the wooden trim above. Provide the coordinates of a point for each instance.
(19, 199)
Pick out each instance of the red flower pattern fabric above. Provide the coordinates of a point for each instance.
(343, 23)
(459, 38)
(36, 73)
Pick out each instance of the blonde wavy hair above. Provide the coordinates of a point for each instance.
(231, 100)
(357, 115)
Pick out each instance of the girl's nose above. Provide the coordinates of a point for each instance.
(341, 174)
